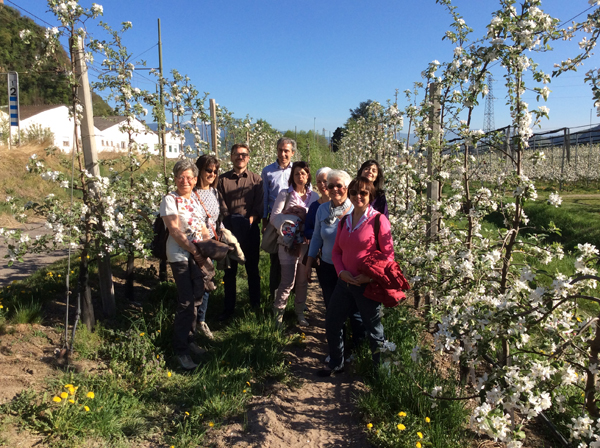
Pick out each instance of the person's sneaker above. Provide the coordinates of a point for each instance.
(327, 359)
(186, 363)
(203, 327)
(349, 359)
(324, 373)
(302, 321)
(195, 349)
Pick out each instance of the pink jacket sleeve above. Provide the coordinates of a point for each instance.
(385, 238)
(336, 253)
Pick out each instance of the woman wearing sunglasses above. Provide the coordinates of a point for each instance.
(294, 201)
(354, 240)
(208, 170)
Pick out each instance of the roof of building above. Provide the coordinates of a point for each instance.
(29, 111)
(102, 123)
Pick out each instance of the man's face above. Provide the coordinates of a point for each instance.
(285, 152)
(240, 158)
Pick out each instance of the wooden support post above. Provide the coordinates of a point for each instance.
(90, 156)
(433, 148)
(213, 127)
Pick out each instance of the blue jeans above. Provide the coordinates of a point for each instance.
(202, 308)
(344, 300)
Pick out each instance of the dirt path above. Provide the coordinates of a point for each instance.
(319, 413)
(31, 262)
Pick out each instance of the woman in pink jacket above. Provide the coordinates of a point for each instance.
(355, 239)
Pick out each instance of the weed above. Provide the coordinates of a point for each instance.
(27, 313)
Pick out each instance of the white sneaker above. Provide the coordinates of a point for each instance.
(203, 327)
(186, 362)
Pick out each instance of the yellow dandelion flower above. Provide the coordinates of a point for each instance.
(1, 306)
(187, 413)
(369, 426)
(142, 334)
(158, 331)
(244, 391)
(418, 445)
(420, 434)
(88, 257)
(427, 420)
(157, 356)
(91, 395)
(401, 414)
(64, 395)
(68, 386)
(72, 390)
(71, 401)
(57, 399)
(248, 383)
(169, 374)
(72, 272)
(59, 275)
(24, 291)
(87, 409)
(578, 319)
(400, 427)
(211, 424)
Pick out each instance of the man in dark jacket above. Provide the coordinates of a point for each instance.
(241, 194)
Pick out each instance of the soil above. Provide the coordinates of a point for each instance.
(318, 413)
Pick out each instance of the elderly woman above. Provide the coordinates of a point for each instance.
(355, 239)
(182, 214)
(326, 222)
(309, 225)
(208, 170)
(294, 201)
(372, 171)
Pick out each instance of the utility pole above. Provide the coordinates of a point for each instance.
(213, 129)
(161, 124)
(162, 267)
(90, 156)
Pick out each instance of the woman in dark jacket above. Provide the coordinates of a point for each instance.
(372, 171)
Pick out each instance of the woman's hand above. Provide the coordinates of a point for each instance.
(362, 278)
(309, 263)
(205, 233)
(347, 277)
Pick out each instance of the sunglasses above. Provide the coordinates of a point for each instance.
(332, 186)
(363, 193)
(209, 171)
(243, 155)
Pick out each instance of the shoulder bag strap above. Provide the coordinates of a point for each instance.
(377, 224)
(207, 216)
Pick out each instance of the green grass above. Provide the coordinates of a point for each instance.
(143, 396)
(398, 389)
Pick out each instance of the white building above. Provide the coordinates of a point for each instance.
(108, 135)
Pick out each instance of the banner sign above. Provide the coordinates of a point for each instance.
(13, 98)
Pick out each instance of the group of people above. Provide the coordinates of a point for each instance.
(330, 230)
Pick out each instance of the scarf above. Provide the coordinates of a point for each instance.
(336, 212)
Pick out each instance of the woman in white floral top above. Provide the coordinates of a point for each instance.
(183, 215)
(205, 192)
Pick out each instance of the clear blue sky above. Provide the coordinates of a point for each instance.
(290, 62)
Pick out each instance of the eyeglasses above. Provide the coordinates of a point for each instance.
(209, 171)
(363, 193)
(332, 186)
(182, 178)
(242, 155)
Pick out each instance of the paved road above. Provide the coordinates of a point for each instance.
(31, 262)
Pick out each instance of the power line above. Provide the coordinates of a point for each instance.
(155, 45)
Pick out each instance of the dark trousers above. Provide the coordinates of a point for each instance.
(250, 243)
(190, 289)
(344, 300)
(274, 274)
(328, 278)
